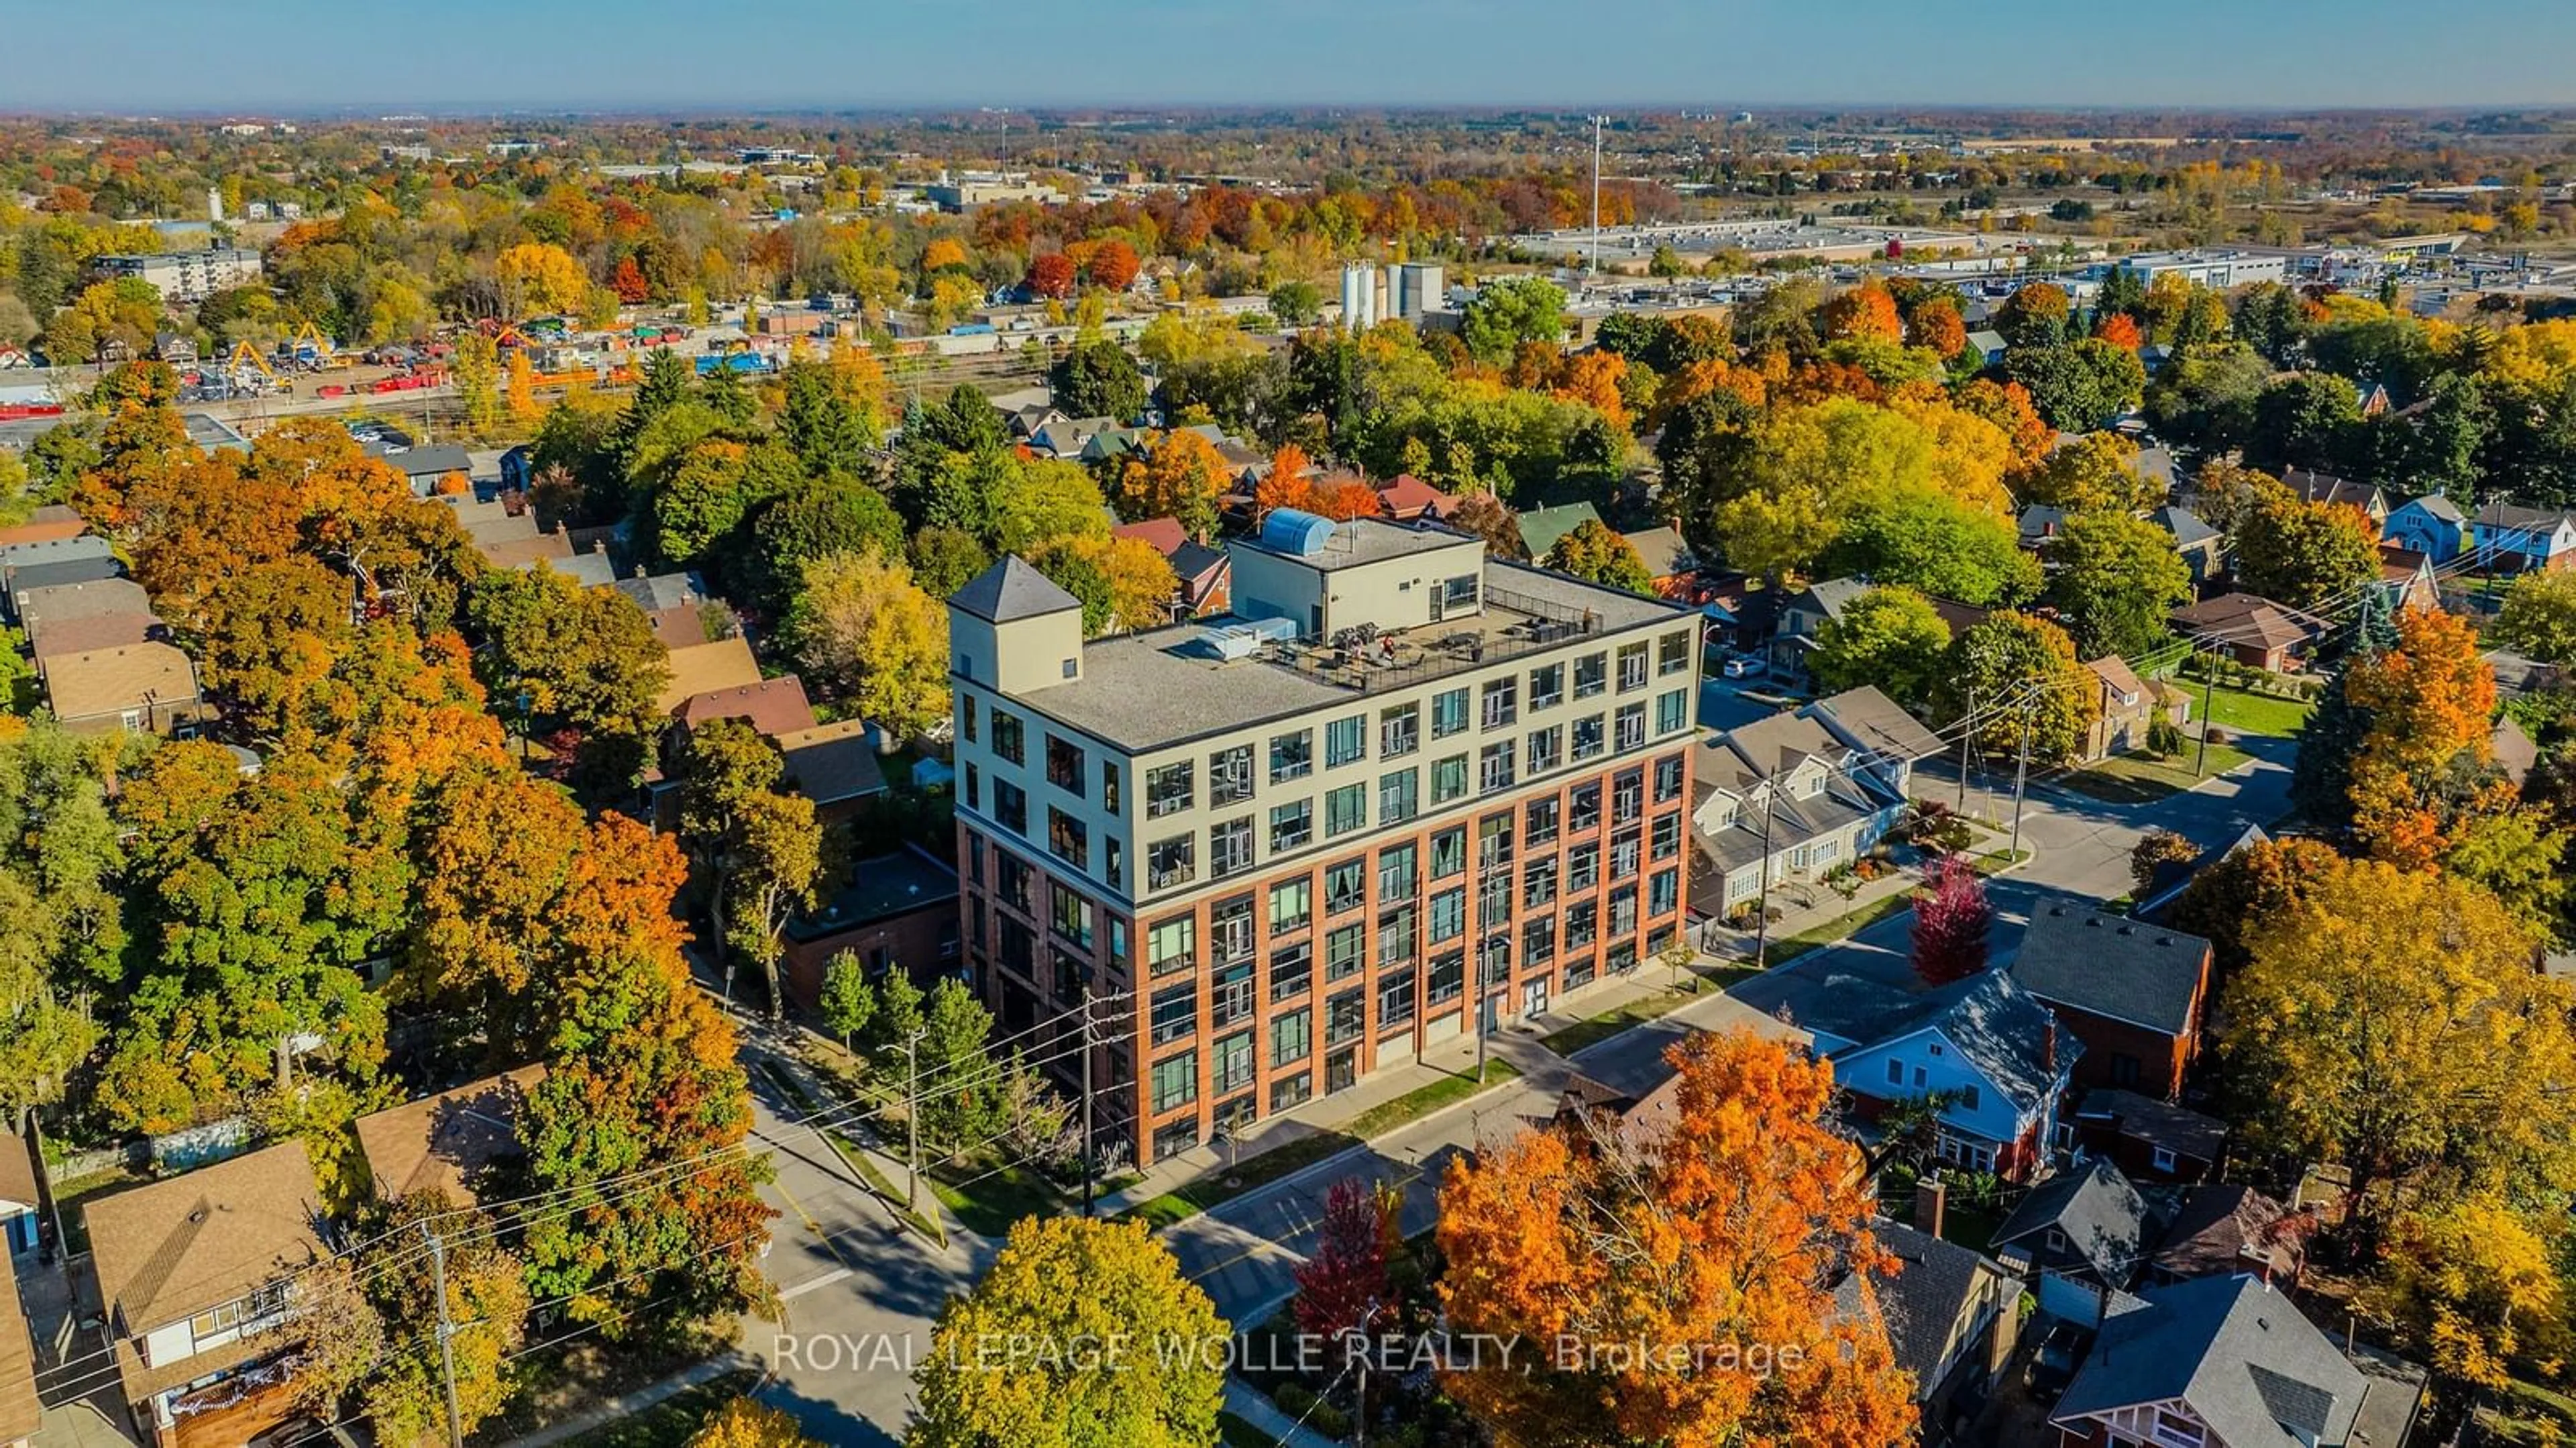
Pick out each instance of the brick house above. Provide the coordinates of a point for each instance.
(2132, 992)
(897, 910)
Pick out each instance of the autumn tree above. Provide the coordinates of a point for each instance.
(1488, 517)
(1113, 266)
(2264, 880)
(538, 277)
(2474, 1287)
(2035, 315)
(1866, 311)
(2301, 553)
(2153, 853)
(864, 631)
(1051, 275)
(61, 862)
(1063, 1281)
(1951, 922)
(1891, 638)
(584, 659)
(2398, 752)
(1123, 583)
(2390, 1021)
(1594, 554)
(487, 1298)
(1730, 1226)
(1345, 1279)
(1344, 498)
(2539, 616)
(2116, 580)
(476, 372)
(1180, 475)
(2018, 677)
(1509, 311)
(750, 1423)
(773, 867)
(2096, 473)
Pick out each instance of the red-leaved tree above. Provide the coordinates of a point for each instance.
(1052, 275)
(1951, 920)
(1347, 1274)
(1114, 266)
(629, 282)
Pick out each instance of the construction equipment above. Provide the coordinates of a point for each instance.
(246, 359)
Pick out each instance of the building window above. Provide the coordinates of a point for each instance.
(1494, 768)
(1292, 970)
(1070, 914)
(1538, 939)
(1667, 833)
(1588, 738)
(1346, 741)
(1582, 868)
(1230, 996)
(1171, 862)
(1539, 821)
(1068, 839)
(1345, 810)
(1895, 1073)
(1968, 1098)
(1395, 873)
(1538, 883)
(1494, 898)
(1399, 731)
(1449, 852)
(1395, 1000)
(1547, 686)
(1011, 879)
(1176, 1012)
(1172, 945)
(1229, 849)
(1546, 749)
(1664, 892)
(1449, 915)
(1178, 1137)
(2165, 1160)
(1396, 930)
(1398, 797)
(1346, 1016)
(1064, 766)
(1292, 756)
(1116, 873)
(1586, 810)
(1672, 653)
(1176, 1084)
(1290, 1092)
(1292, 905)
(974, 787)
(1291, 825)
(1458, 592)
(1011, 806)
(1623, 911)
(1345, 886)
(1230, 930)
(1448, 779)
(1345, 951)
(1292, 1036)
(1232, 1064)
(1446, 980)
(1591, 675)
(966, 716)
(1668, 779)
(1632, 726)
(1009, 740)
(1632, 667)
(1169, 789)
(1230, 776)
(1627, 798)
(1448, 713)
(1672, 711)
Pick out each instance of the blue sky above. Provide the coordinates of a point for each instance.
(175, 55)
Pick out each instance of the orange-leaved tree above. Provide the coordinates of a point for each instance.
(1674, 1283)
(1345, 498)
(1867, 310)
(1181, 476)
(2428, 701)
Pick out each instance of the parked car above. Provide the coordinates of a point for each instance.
(2053, 1365)
(1740, 667)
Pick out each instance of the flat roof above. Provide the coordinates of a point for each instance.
(1367, 540)
(1148, 691)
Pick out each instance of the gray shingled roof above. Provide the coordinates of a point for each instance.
(2439, 507)
(2186, 526)
(2108, 965)
(1011, 590)
(1995, 1025)
(2239, 1354)
(2103, 1218)
(1923, 1300)
(1875, 723)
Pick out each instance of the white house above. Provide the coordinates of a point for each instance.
(1809, 791)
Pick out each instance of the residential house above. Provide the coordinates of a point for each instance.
(2228, 1362)
(194, 1273)
(2147, 1139)
(19, 1198)
(1802, 616)
(525, 548)
(50, 523)
(449, 1144)
(1204, 576)
(2251, 629)
(1407, 498)
(896, 911)
(21, 1413)
(2131, 991)
(2221, 1229)
(2039, 523)
(591, 568)
(673, 603)
(2513, 539)
(1989, 346)
(835, 766)
(424, 468)
(1064, 437)
(1948, 1311)
(2170, 880)
(1028, 421)
(2128, 707)
(2083, 1236)
(1110, 446)
(773, 707)
(2316, 487)
(2432, 525)
(1792, 797)
(31, 566)
(2408, 578)
(46, 612)
(1669, 561)
(1542, 527)
(147, 688)
(2203, 548)
(1742, 616)
(1987, 1048)
(704, 668)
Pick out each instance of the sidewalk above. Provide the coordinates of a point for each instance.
(627, 1405)
(1821, 905)
(1247, 1402)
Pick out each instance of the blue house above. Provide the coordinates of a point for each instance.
(17, 1196)
(1986, 1045)
(2431, 525)
(2512, 539)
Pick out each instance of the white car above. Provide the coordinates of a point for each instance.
(1740, 667)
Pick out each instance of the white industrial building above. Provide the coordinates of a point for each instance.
(187, 276)
(1373, 294)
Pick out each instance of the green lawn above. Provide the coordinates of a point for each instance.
(1842, 927)
(2246, 712)
(2137, 779)
(986, 1201)
(1592, 1030)
(1260, 1170)
(672, 1422)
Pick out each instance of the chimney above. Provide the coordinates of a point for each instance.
(1931, 1203)
(2048, 1050)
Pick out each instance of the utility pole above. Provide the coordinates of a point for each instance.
(2208, 687)
(912, 1122)
(1762, 899)
(446, 1335)
(2021, 773)
(1597, 123)
(1086, 1100)
(1967, 732)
